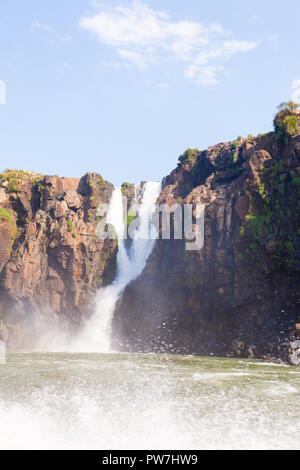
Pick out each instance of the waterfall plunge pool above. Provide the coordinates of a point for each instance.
(129, 401)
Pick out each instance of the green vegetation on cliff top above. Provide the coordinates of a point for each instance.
(127, 189)
(290, 105)
(189, 155)
(286, 122)
(14, 178)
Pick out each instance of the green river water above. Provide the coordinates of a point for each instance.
(126, 401)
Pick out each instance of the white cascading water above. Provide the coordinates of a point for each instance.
(96, 335)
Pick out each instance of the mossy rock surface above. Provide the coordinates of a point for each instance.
(128, 190)
(8, 234)
(13, 179)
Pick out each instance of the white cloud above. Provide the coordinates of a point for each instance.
(233, 47)
(141, 35)
(52, 31)
(203, 75)
(296, 91)
(133, 57)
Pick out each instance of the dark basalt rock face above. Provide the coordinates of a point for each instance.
(239, 295)
(51, 260)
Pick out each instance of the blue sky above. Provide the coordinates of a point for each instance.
(124, 87)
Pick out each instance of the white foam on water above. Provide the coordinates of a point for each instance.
(126, 402)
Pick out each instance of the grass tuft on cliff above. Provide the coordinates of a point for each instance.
(12, 179)
(189, 155)
(127, 189)
(6, 215)
(286, 122)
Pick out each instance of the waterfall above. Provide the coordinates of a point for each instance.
(96, 334)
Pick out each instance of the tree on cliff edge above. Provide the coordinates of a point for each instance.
(289, 105)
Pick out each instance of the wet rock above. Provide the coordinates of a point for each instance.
(295, 353)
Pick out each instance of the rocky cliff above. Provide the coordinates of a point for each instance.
(239, 295)
(51, 260)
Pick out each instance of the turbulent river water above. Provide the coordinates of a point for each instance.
(122, 401)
